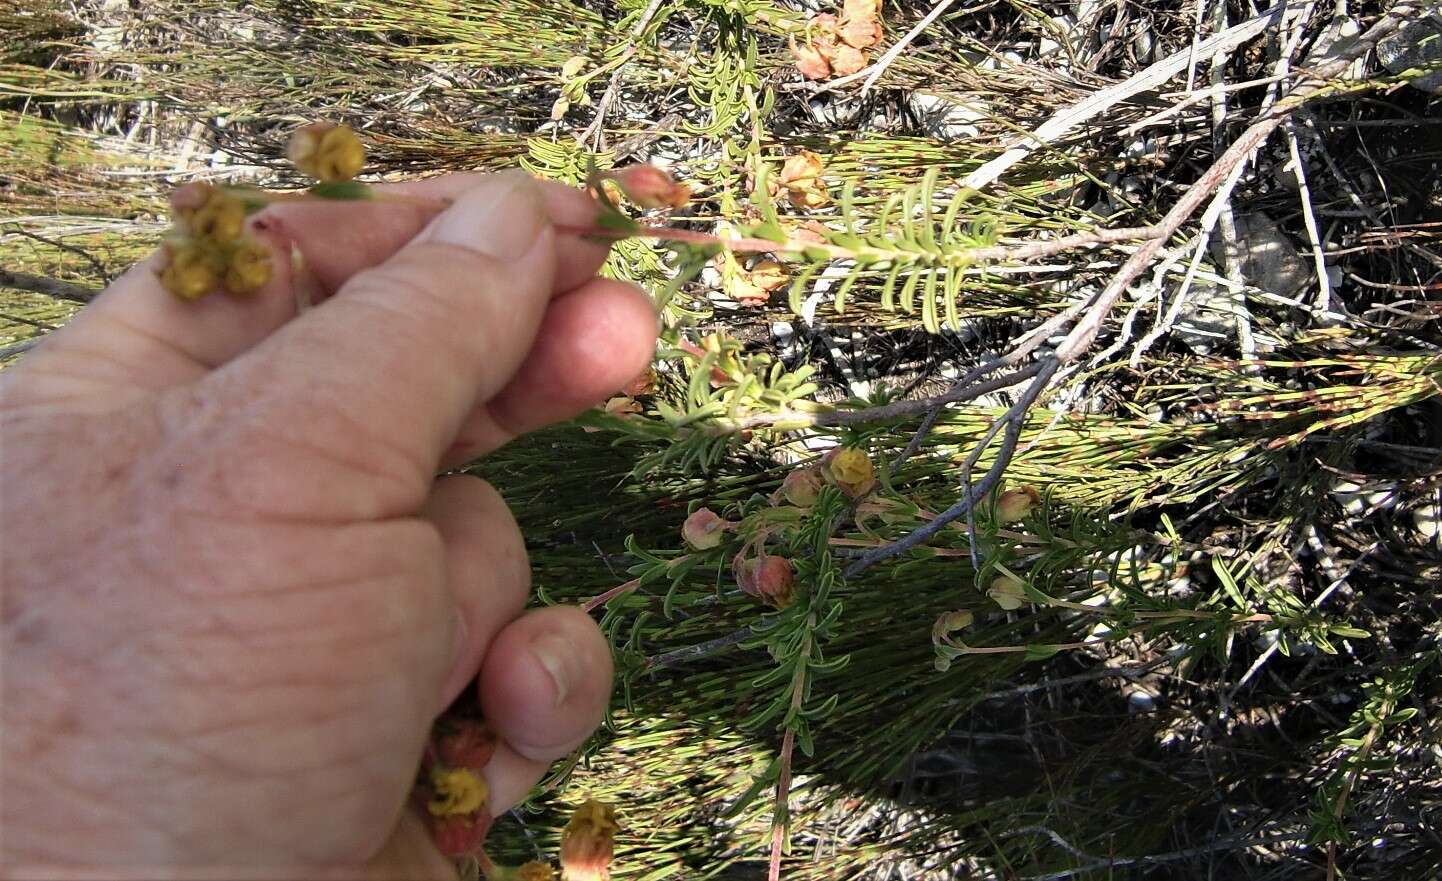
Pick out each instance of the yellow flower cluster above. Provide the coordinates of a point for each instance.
(209, 249)
(457, 791)
(328, 152)
(851, 470)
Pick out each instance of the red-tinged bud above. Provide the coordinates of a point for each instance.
(469, 743)
(644, 384)
(845, 60)
(588, 843)
(767, 577)
(801, 485)
(704, 529)
(651, 187)
(460, 834)
(810, 61)
(1017, 504)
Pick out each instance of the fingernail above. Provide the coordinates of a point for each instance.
(558, 657)
(502, 217)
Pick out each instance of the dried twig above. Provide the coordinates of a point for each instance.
(1099, 102)
(1012, 422)
(795, 419)
(700, 650)
(1083, 334)
(50, 287)
(593, 131)
(13, 349)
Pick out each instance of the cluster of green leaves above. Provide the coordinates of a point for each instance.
(722, 381)
(1357, 746)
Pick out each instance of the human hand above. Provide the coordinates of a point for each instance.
(235, 597)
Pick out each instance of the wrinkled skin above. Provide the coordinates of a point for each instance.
(235, 597)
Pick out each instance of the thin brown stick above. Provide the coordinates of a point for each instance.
(1086, 330)
(796, 419)
(50, 287)
(613, 87)
(1018, 253)
(1097, 103)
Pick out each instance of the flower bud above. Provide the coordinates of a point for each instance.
(535, 870)
(767, 577)
(810, 61)
(1008, 592)
(644, 384)
(851, 470)
(948, 623)
(801, 486)
(588, 843)
(1016, 504)
(768, 275)
(327, 152)
(221, 219)
(704, 529)
(456, 791)
(248, 268)
(801, 170)
(858, 33)
(845, 60)
(651, 187)
(469, 743)
(460, 834)
(860, 8)
(193, 270)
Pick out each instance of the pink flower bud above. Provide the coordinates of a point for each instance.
(588, 843)
(651, 187)
(800, 487)
(460, 834)
(767, 577)
(704, 529)
(811, 63)
(469, 744)
(1016, 504)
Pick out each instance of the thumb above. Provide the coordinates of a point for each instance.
(391, 365)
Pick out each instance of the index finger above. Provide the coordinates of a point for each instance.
(150, 340)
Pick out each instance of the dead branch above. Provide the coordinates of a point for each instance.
(50, 287)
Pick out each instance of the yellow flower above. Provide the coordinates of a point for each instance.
(458, 791)
(535, 871)
(249, 267)
(221, 219)
(588, 843)
(1008, 592)
(852, 471)
(194, 268)
(801, 177)
(1016, 504)
(327, 152)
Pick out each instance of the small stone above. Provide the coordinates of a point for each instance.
(1416, 44)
